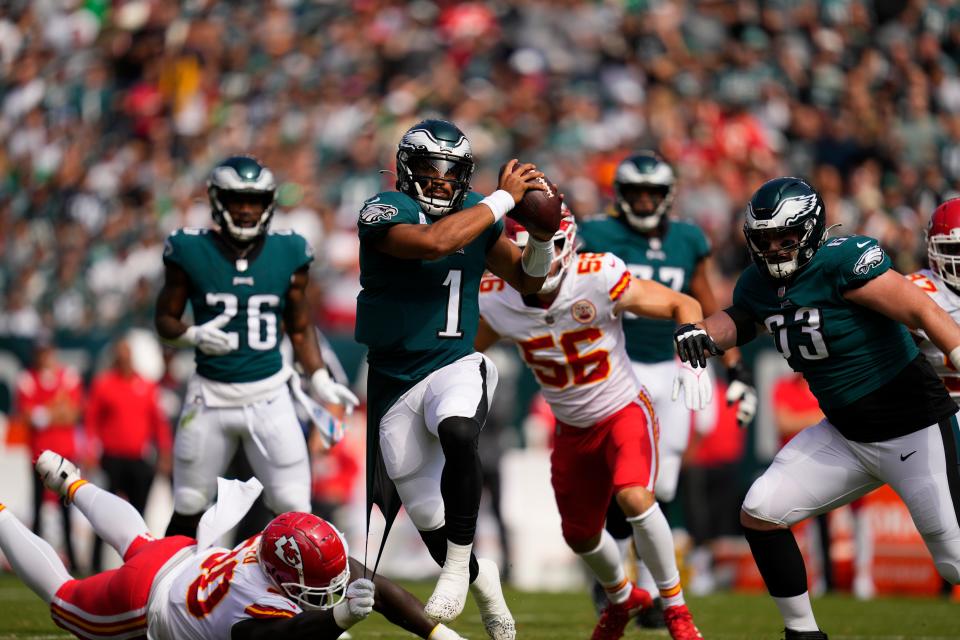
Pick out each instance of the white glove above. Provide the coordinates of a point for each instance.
(746, 395)
(209, 339)
(697, 387)
(356, 606)
(329, 391)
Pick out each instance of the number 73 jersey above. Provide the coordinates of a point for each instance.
(575, 347)
(844, 350)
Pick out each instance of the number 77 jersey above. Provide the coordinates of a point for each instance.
(575, 347)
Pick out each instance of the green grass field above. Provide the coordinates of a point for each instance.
(569, 616)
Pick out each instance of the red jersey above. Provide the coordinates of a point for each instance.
(39, 395)
(792, 392)
(124, 415)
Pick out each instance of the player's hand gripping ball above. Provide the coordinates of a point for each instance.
(539, 209)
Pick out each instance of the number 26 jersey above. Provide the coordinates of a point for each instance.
(575, 347)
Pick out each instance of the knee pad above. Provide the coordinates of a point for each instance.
(458, 432)
(946, 557)
(291, 497)
(189, 501)
(668, 476)
(425, 511)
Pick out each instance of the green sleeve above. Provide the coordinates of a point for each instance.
(384, 210)
(173, 249)
(858, 259)
(301, 253)
(701, 245)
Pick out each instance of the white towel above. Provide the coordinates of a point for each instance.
(234, 499)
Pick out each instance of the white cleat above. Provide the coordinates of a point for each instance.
(57, 473)
(449, 596)
(488, 594)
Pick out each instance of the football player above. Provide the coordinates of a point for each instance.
(245, 285)
(840, 316)
(423, 250)
(675, 254)
(293, 580)
(570, 334)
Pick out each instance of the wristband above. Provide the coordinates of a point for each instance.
(537, 257)
(342, 615)
(955, 358)
(500, 202)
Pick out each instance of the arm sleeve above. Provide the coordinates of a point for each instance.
(302, 253)
(616, 276)
(701, 245)
(310, 625)
(384, 210)
(172, 249)
(859, 260)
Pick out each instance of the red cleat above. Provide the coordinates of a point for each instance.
(680, 623)
(614, 618)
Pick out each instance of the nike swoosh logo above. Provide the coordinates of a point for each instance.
(904, 457)
(861, 245)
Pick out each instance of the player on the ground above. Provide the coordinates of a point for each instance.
(676, 254)
(293, 580)
(570, 334)
(246, 286)
(840, 316)
(423, 250)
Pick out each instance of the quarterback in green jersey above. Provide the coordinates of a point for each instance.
(423, 250)
(840, 316)
(246, 286)
(674, 253)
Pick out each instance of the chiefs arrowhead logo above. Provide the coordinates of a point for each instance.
(288, 551)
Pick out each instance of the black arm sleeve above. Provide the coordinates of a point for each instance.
(309, 625)
(746, 327)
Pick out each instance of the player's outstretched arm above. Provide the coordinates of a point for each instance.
(651, 299)
(486, 336)
(506, 261)
(695, 342)
(897, 298)
(456, 230)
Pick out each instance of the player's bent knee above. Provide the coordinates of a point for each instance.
(187, 501)
(426, 513)
(459, 432)
(635, 500)
(289, 498)
(581, 544)
(949, 571)
(748, 521)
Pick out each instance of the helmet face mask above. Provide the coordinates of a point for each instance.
(644, 175)
(564, 246)
(943, 243)
(305, 557)
(242, 197)
(784, 227)
(434, 166)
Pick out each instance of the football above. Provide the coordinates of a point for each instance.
(539, 210)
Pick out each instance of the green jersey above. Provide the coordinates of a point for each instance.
(670, 259)
(250, 292)
(844, 350)
(416, 315)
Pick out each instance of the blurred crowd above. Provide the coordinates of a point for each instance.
(113, 112)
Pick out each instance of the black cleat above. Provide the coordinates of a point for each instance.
(790, 634)
(652, 618)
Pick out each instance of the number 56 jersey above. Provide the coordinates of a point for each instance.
(575, 347)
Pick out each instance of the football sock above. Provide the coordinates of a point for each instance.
(654, 542)
(645, 579)
(781, 565)
(32, 558)
(436, 542)
(461, 481)
(112, 518)
(183, 525)
(607, 566)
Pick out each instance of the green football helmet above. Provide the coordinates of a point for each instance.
(785, 226)
(643, 171)
(240, 181)
(431, 152)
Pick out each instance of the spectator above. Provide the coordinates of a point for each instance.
(127, 426)
(48, 399)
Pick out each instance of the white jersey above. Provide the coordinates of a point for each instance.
(576, 347)
(949, 302)
(215, 590)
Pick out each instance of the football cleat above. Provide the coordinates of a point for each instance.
(496, 617)
(652, 618)
(449, 596)
(613, 621)
(57, 473)
(790, 634)
(679, 623)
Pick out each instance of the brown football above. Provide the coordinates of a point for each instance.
(539, 210)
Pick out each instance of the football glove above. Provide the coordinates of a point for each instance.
(356, 606)
(694, 345)
(696, 384)
(326, 389)
(740, 389)
(209, 338)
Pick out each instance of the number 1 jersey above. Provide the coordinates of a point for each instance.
(575, 347)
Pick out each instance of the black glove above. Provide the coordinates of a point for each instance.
(694, 345)
(740, 389)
